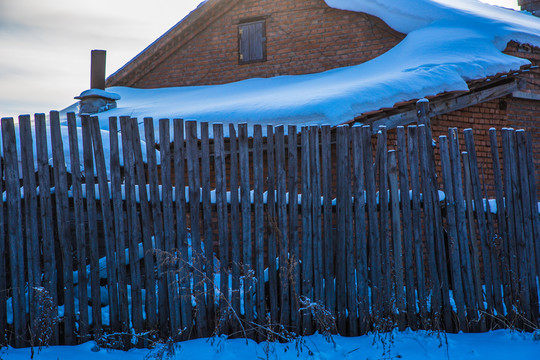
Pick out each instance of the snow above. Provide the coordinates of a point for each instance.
(448, 42)
(494, 345)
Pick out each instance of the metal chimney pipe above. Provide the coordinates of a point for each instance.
(97, 69)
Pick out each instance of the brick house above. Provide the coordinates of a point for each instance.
(223, 41)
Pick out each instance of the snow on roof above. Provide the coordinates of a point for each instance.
(448, 43)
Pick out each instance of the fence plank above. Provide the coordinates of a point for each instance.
(258, 182)
(221, 202)
(283, 240)
(361, 251)
(168, 228)
(413, 148)
(350, 247)
(294, 247)
(408, 246)
(47, 229)
(273, 231)
(316, 214)
(133, 230)
(326, 162)
(307, 235)
(62, 211)
(157, 222)
(119, 224)
(397, 238)
(236, 253)
(534, 199)
(207, 220)
(181, 228)
(4, 255)
(108, 226)
(453, 240)
(80, 238)
(194, 202)
(16, 254)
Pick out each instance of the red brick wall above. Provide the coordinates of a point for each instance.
(303, 36)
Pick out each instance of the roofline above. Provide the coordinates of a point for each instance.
(176, 37)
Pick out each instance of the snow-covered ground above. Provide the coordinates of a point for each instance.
(495, 345)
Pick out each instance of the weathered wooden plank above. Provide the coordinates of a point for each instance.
(480, 217)
(258, 182)
(461, 222)
(236, 253)
(15, 238)
(534, 199)
(132, 226)
(50, 277)
(146, 225)
(223, 233)
(315, 175)
(361, 250)
(4, 256)
(168, 227)
(350, 246)
(374, 243)
(181, 227)
(412, 135)
(207, 221)
(194, 209)
(294, 247)
(283, 238)
(119, 218)
(80, 238)
(307, 235)
(397, 239)
(29, 215)
(64, 235)
(157, 222)
(108, 225)
(452, 232)
(273, 231)
(91, 211)
(405, 200)
(326, 172)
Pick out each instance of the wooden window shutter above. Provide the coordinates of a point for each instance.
(252, 41)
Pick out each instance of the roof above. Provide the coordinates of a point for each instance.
(449, 44)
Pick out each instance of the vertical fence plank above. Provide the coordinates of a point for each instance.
(283, 240)
(350, 247)
(223, 233)
(246, 221)
(15, 238)
(119, 224)
(194, 210)
(326, 162)
(62, 211)
(258, 182)
(78, 207)
(50, 277)
(157, 222)
(108, 226)
(534, 199)
(397, 238)
(404, 199)
(294, 247)
(181, 227)
(168, 228)
(133, 230)
(413, 151)
(273, 231)
(4, 254)
(307, 245)
(235, 225)
(361, 251)
(452, 232)
(315, 176)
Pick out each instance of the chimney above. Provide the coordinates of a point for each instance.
(96, 99)
(532, 6)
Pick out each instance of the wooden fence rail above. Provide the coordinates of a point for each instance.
(315, 229)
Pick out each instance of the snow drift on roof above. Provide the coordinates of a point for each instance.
(448, 43)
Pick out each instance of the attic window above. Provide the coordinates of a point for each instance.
(252, 41)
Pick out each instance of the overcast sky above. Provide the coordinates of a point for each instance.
(45, 45)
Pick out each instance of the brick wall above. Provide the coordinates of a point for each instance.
(303, 36)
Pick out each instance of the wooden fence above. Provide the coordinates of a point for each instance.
(311, 228)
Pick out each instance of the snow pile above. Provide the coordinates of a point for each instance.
(448, 43)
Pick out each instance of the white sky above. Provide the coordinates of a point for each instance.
(45, 45)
